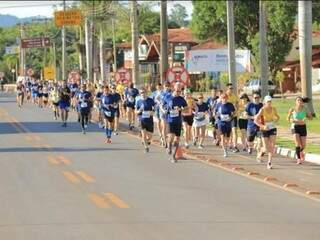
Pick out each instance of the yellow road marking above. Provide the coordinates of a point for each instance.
(28, 138)
(37, 138)
(307, 173)
(52, 160)
(71, 177)
(64, 160)
(99, 201)
(116, 200)
(85, 177)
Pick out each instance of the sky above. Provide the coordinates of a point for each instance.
(45, 8)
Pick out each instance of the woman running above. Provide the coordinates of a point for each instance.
(187, 117)
(200, 120)
(45, 95)
(266, 119)
(224, 112)
(54, 98)
(298, 117)
(243, 120)
(20, 94)
(84, 99)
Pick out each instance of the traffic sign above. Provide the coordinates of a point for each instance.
(12, 49)
(70, 17)
(123, 75)
(178, 74)
(37, 42)
(48, 73)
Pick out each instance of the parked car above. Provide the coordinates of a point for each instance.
(254, 85)
(316, 88)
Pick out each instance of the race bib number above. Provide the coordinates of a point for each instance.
(270, 125)
(84, 105)
(146, 114)
(107, 113)
(225, 117)
(131, 99)
(243, 115)
(174, 113)
(200, 115)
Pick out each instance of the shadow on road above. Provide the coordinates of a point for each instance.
(59, 149)
(47, 127)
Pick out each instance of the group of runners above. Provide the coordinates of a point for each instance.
(175, 112)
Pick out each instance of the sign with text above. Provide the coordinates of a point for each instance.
(216, 60)
(69, 18)
(12, 49)
(123, 75)
(48, 73)
(37, 42)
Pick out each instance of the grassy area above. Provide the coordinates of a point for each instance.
(286, 143)
(283, 106)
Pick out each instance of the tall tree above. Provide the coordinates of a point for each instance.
(209, 20)
(179, 15)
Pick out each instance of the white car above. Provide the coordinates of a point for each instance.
(254, 85)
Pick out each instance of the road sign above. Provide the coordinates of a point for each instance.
(48, 73)
(123, 75)
(38, 42)
(70, 17)
(12, 49)
(178, 74)
(1, 74)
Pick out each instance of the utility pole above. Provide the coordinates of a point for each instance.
(88, 49)
(102, 66)
(114, 44)
(22, 52)
(80, 49)
(264, 65)
(64, 59)
(164, 41)
(305, 48)
(135, 39)
(231, 47)
(54, 60)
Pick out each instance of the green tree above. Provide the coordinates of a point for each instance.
(209, 19)
(179, 15)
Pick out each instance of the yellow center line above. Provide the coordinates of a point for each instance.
(116, 200)
(28, 138)
(52, 160)
(85, 177)
(70, 177)
(99, 201)
(64, 160)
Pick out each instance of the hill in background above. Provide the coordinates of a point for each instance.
(9, 20)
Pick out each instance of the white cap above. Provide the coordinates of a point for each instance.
(267, 99)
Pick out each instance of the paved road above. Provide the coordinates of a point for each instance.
(56, 183)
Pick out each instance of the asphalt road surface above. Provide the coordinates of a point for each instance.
(56, 183)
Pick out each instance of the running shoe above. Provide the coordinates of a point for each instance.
(299, 161)
(249, 150)
(200, 146)
(258, 159)
(146, 150)
(235, 150)
(195, 142)
(225, 153)
(269, 166)
(186, 145)
(115, 132)
(83, 131)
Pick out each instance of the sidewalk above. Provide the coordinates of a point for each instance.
(312, 138)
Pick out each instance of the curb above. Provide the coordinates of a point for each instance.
(286, 152)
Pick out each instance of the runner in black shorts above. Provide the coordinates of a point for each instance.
(174, 105)
(144, 110)
(107, 104)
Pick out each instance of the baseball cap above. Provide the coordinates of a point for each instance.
(267, 99)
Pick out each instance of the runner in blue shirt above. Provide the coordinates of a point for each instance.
(200, 120)
(107, 104)
(84, 104)
(34, 91)
(174, 106)
(130, 99)
(165, 95)
(144, 110)
(117, 99)
(224, 112)
(253, 130)
(64, 103)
